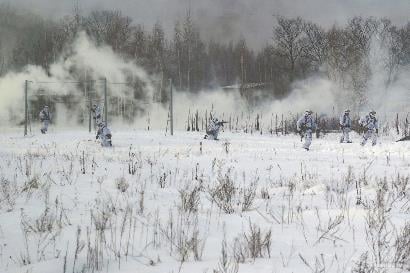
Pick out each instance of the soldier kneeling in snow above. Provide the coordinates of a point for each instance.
(45, 117)
(213, 129)
(104, 134)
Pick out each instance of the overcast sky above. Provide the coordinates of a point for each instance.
(228, 19)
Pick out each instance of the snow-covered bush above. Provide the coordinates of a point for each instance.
(229, 197)
(253, 244)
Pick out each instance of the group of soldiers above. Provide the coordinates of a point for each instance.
(306, 125)
(103, 132)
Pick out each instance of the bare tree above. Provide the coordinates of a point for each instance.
(178, 51)
(288, 36)
(188, 41)
(315, 44)
(109, 27)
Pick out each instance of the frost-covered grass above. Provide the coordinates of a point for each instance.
(246, 203)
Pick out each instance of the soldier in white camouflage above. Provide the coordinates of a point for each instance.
(45, 118)
(104, 134)
(214, 126)
(345, 123)
(97, 114)
(306, 125)
(370, 125)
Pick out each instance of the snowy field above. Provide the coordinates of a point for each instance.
(246, 203)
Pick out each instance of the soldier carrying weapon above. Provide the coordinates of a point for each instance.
(45, 117)
(370, 125)
(97, 114)
(345, 123)
(104, 134)
(305, 126)
(213, 128)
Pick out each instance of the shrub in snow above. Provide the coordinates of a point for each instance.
(402, 248)
(253, 244)
(8, 194)
(190, 199)
(230, 198)
(122, 184)
(364, 265)
(226, 264)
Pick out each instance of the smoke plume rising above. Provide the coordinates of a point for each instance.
(82, 56)
(317, 93)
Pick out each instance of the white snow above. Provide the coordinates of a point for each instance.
(298, 195)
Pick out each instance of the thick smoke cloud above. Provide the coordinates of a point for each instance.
(83, 55)
(218, 20)
(101, 61)
(317, 93)
(388, 90)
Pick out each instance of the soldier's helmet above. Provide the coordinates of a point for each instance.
(347, 111)
(372, 113)
(308, 112)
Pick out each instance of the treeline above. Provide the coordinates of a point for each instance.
(297, 50)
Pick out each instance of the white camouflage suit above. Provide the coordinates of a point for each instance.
(212, 131)
(104, 134)
(97, 114)
(371, 129)
(45, 117)
(345, 125)
(307, 125)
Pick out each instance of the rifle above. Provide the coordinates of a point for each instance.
(221, 123)
(406, 138)
(302, 132)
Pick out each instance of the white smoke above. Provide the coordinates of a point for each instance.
(96, 61)
(317, 93)
(12, 91)
(389, 85)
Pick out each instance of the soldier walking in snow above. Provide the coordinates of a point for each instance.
(45, 117)
(104, 134)
(371, 128)
(345, 125)
(97, 114)
(306, 125)
(214, 126)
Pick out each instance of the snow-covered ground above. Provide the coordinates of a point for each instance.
(245, 203)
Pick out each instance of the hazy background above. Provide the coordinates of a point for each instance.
(226, 20)
(353, 58)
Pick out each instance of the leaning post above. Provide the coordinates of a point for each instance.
(171, 108)
(25, 107)
(105, 102)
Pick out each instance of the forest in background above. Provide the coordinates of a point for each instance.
(297, 50)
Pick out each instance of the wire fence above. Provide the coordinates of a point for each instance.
(122, 105)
